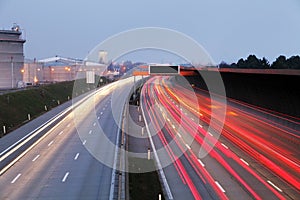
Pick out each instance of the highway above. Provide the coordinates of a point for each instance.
(63, 164)
(253, 156)
(75, 153)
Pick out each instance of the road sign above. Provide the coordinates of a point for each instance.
(90, 77)
(164, 69)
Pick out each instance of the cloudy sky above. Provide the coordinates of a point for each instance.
(228, 30)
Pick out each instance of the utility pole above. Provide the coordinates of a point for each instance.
(12, 71)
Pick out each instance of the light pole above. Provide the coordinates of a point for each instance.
(12, 71)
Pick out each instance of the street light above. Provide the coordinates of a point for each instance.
(12, 71)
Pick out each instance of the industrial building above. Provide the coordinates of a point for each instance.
(11, 58)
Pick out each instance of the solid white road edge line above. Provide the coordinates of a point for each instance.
(28, 149)
(4, 154)
(113, 173)
(160, 170)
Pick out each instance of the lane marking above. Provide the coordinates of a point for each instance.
(179, 135)
(277, 188)
(94, 124)
(200, 126)
(69, 125)
(65, 177)
(76, 157)
(187, 146)
(90, 132)
(12, 148)
(50, 143)
(210, 134)
(35, 158)
(221, 188)
(84, 142)
(16, 178)
(201, 163)
(244, 161)
(61, 132)
(98, 117)
(173, 126)
(161, 172)
(224, 145)
(101, 113)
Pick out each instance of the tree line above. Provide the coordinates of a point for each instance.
(252, 62)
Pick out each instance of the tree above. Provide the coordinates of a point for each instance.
(241, 63)
(252, 62)
(223, 65)
(265, 63)
(293, 62)
(280, 63)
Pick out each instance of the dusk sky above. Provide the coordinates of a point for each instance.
(228, 30)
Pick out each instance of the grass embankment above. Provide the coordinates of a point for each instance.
(144, 186)
(15, 106)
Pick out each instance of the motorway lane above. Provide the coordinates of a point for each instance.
(261, 188)
(275, 144)
(61, 165)
(184, 181)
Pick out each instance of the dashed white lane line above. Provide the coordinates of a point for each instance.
(187, 146)
(101, 113)
(226, 147)
(90, 132)
(65, 177)
(277, 188)
(179, 135)
(219, 185)
(201, 163)
(16, 178)
(61, 132)
(69, 125)
(84, 142)
(35, 158)
(50, 143)
(200, 126)
(98, 117)
(76, 156)
(210, 134)
(244, 161)
(94, 124)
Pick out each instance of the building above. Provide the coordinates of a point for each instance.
(11, 57)
(58, 69)
(33, 72)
